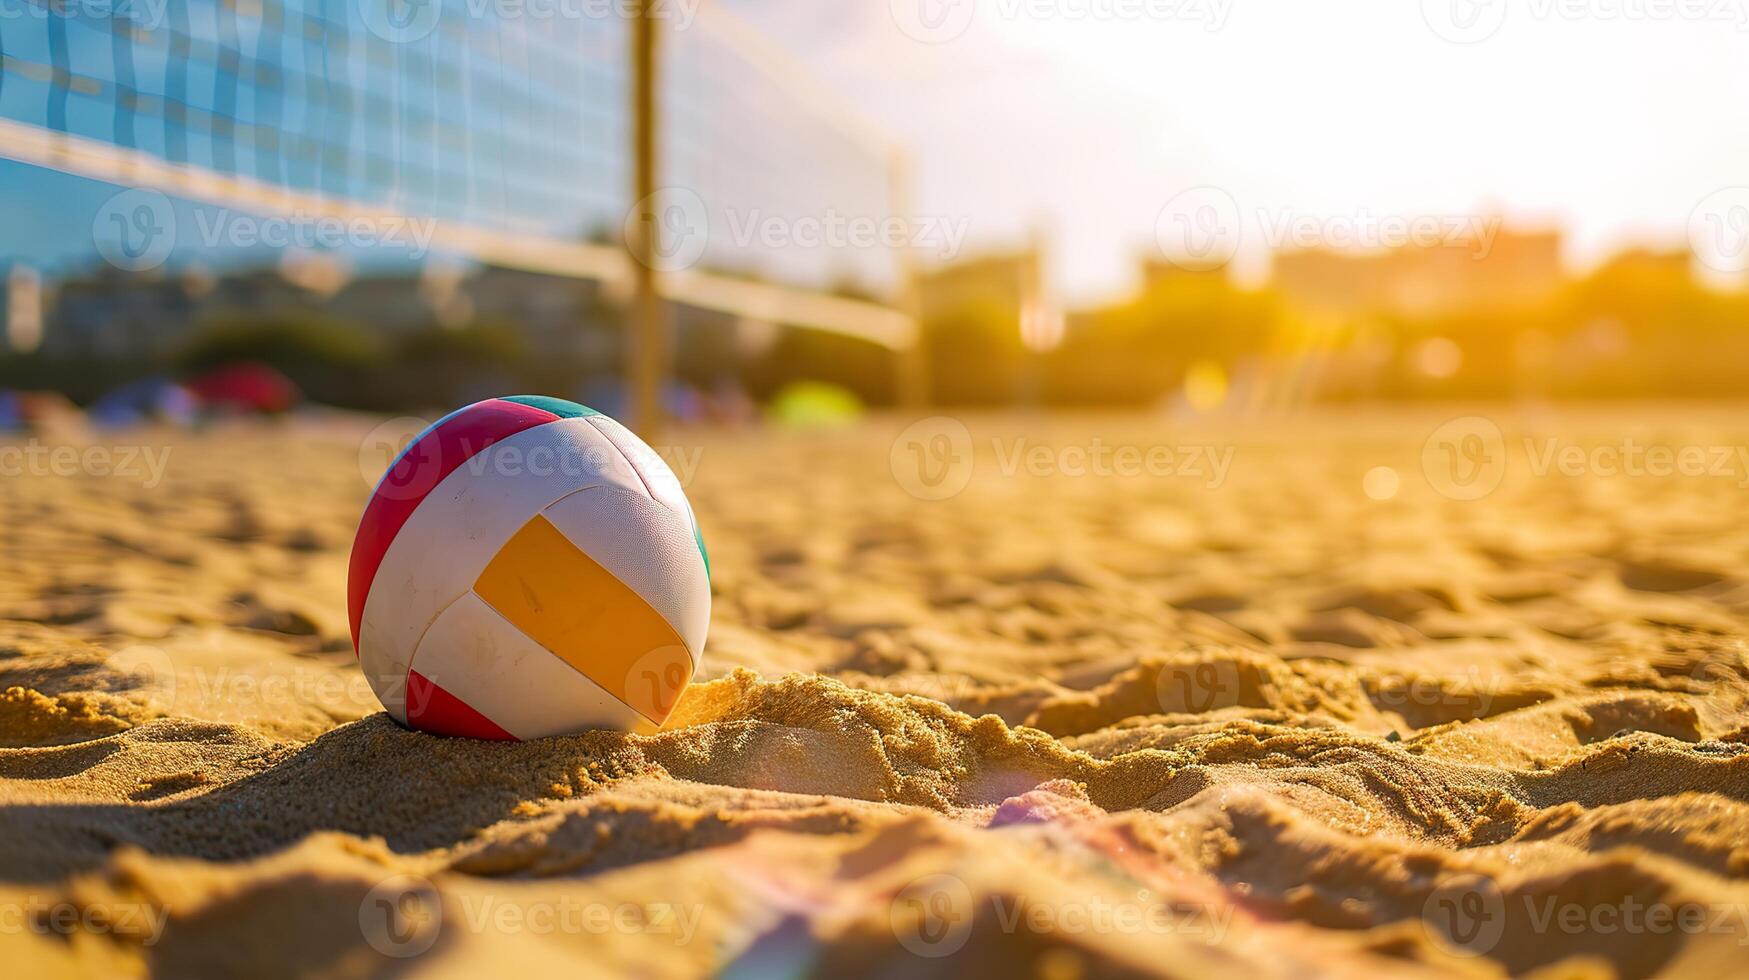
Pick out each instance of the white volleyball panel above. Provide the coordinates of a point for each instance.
(476, 655)
(462, 523)
(657, 475)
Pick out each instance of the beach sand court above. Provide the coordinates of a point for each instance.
(1352, 694)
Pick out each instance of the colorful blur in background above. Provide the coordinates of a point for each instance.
(1201, 206)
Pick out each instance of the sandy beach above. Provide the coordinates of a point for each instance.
(1418, 692)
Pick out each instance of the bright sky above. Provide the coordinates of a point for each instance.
(1615, 118)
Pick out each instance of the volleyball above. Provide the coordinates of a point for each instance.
(528, 567)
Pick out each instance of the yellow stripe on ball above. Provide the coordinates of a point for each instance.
(562, 599)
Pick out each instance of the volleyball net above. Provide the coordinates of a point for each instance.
(502, 127)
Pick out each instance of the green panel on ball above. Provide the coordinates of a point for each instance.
(558, 406)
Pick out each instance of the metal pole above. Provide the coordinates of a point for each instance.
(646, 364)
(912, 386)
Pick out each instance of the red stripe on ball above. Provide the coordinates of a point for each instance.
(415, 473)
(432, 709)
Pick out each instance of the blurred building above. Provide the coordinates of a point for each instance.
(1157, 272)
(1511, 268)
(1667, 265)
(22, 303)
(998, 280)
(1521, 267)
(388, 306)
(1010, 287)
(551, 316)
(555, 316)
(111, 314)
(986, 321)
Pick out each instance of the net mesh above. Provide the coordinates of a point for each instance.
(505, 118)
(794, 181)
